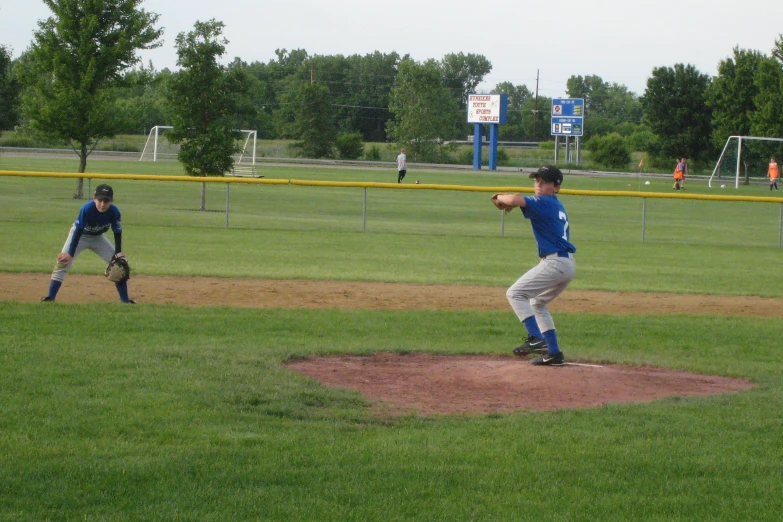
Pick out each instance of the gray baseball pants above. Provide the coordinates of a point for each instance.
(98, 244)
(532, 292)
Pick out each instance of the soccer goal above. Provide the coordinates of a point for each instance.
(751, 154)
(157, 130)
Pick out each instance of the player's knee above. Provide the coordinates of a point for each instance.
(539, 308)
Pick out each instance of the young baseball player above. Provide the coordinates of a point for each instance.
(402, 166)
(532, 292)
(94, 219)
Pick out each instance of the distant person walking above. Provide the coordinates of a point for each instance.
(773, 173)
(679, 174)
(402, 166)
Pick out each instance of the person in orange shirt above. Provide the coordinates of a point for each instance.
(679, 174)
(773, 173)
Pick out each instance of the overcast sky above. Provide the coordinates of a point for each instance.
(619, 40)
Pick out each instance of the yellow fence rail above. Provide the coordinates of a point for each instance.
(229, 180)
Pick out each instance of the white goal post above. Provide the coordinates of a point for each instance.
(739, 139)
(157, 130)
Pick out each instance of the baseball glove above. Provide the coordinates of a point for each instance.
(118, 270)
(500, 205)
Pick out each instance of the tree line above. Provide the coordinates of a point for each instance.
(81, 81)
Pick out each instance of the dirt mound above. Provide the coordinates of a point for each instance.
(432, 384)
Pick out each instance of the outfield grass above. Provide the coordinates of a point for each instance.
(282, 231)
(172, 413)
(110, 412)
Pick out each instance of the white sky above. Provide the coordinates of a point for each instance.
(619, 40)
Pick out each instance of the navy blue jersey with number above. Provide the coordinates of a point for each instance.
(550, 224)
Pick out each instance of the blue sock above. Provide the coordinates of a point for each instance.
(54, 287)
(532, 326)
(551, 341)
(122, 289)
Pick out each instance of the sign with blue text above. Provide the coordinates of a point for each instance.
(568, 116)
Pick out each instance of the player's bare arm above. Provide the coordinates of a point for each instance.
(511, 200)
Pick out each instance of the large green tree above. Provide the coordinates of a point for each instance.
(676, 110)
(204, 98)
(371, 78)
(766, 120)
(313, 125)
(251, 111)
(9, 91)
(777, 50)
(528, 117)
(76, 62)
(732, 95)
(518, 95)
(462, 74)
(141, 102)
(607, 105)
(423, 110)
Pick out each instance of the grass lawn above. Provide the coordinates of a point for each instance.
(110, 412)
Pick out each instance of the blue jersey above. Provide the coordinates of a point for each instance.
(550, 224)
(94, 223)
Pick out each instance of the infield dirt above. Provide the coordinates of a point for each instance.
(433, 384)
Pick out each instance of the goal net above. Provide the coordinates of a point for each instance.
(248, 150)
(744, 158)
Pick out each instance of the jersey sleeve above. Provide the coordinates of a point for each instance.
(81, 219)
(532, 206)
(116, 222)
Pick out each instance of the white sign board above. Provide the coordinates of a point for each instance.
(486, 108)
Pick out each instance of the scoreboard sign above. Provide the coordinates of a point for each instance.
(568, 116)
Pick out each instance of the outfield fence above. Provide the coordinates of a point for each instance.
(365, 186)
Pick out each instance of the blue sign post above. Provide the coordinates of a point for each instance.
(567, 120)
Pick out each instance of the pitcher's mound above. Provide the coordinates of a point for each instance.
(437, 384)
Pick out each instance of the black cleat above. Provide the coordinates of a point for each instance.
(549, 359)
(129, 301)
(47, 299)
(532, 344)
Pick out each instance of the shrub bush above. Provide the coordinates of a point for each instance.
(503, 157)
(350, 146)
(373, 153)
(609, 151)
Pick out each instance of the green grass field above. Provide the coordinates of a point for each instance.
(110, 412)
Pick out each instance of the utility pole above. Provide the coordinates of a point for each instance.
(535, 111)
(312, 75)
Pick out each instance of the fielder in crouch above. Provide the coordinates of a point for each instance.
(95, 218)
(532, 292)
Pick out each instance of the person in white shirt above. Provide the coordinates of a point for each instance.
(402, 165)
